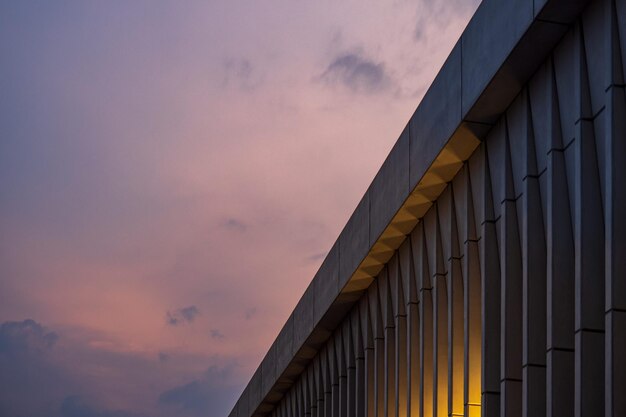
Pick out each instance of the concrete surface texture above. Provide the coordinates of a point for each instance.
(484, 270)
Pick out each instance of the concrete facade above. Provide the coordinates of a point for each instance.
(484, 271)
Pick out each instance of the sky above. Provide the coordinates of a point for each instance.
(172, 175)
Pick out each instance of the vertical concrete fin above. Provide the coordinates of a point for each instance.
(556, 133)
(432, 242)
(589, 255)
(472, 387)
(319, 383)
(396, 286)
(352, 360)
(615, 221)
(357, 331)
(386, 295)
(459, 193)
(455, 319)
(440, 344)
(456, 240)
(511, 294)
(534, 284)
(490, 287)
(422, 268)
(340, 351)
(407, 272)
(366, 323)
(426, 350)
(560, 283)
(413, 359)
(616, 19)
(401, 361)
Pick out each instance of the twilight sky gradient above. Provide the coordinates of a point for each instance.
(171, 177)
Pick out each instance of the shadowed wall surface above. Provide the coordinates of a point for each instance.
(484, 271)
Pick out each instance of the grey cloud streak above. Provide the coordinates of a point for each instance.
(182, 315)
(216, 334)
(242, 73)
(357, 73)
(235, 225)
(22, 337)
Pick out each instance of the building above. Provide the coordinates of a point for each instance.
(484, 270)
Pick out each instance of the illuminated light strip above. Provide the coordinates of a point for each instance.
(444, 168)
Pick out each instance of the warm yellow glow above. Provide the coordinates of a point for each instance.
(446, 165)
(473, 410)
(465, 350)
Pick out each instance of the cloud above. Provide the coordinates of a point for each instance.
(250, 313)
(241, 73)
(20, 337)
(216, 334)
(235, 225)
(189, 313)
(357, 73)
(419, 32)
(76, 406)
(172, 320)
(30, 383)
(211, 395)
(182, 315)
(317, 256)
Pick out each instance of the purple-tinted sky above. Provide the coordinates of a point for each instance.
(171, 177)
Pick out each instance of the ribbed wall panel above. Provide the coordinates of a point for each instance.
(508, 297)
